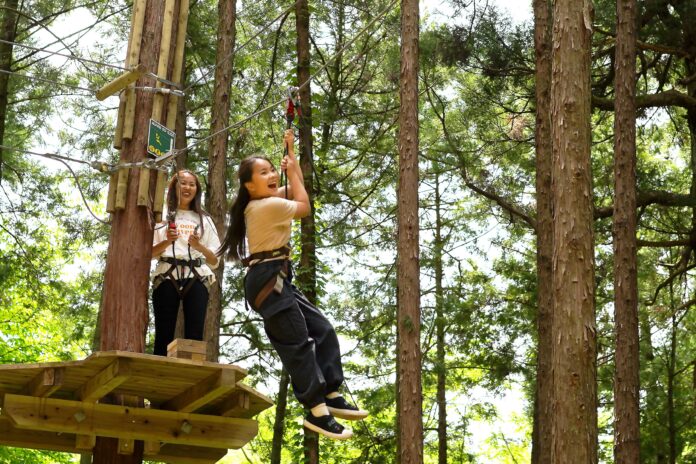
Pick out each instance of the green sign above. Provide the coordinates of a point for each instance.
(160, 140)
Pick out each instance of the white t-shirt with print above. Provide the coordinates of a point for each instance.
(186, 222)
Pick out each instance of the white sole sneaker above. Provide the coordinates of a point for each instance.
(348, 414)
(347, 433)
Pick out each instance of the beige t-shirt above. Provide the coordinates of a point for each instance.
(268, 223)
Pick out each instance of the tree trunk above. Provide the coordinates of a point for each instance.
(217, 162)
(279, 424)
(671, 369)
(408, 310)
(541, 433)
(627, 371)
(440, 330)
(9, 33)
(307, 270)
(125, 310)
(574, 429)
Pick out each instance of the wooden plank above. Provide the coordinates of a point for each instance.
(182, 348)
(244, 406)
(237, 405)
(178, 61)
(151, 448)
(54, 415)
(165, 50)
(204, 392)
(106, 381)
(144, 188)
(45, 383)
(122, 188)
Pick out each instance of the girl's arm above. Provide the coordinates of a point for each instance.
(210, 257)
(281, 192)
(295, 178)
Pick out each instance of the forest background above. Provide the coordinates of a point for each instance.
(477, 200)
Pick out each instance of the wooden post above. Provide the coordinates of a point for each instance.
(122, 188)
(121, 82)
(178, 62)
(144, 187)
(132, 58)
(165, 50)
(187, 349)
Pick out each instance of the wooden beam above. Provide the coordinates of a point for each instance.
(45, 383)
(54, 415)
(11, 436)
(183, 348)
(85, 442)
(183, 454)
(204, 392)
(103, 383)
(121, 82)
(237, 405)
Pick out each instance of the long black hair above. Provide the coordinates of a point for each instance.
(173, 198)
(234, 244)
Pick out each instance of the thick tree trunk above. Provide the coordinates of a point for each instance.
(541, 434)
(125, 310)
(9, 33)
(217, 162)
(408, 268)
(279, 424)
(307, 269)
(627, 371)
(441, 367)
(574, 432)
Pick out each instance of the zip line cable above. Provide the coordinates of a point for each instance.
(41, 79)
(241, 47)
(168, 156)
(64, 55)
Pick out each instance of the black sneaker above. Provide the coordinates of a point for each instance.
(339, 407)
(327, 425)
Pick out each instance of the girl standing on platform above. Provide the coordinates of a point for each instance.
(185, 246)
(303, 338)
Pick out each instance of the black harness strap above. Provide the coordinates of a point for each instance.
(175, 263)
(283, 251)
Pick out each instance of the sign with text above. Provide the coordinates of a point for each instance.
(160, 140)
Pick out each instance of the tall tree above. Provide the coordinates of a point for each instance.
(307, 269)
(124, 312)
(574, 433)
(9, 32)
(408, 269)
(440, 326)
(217, 161)
(541, 436)
(627, 370)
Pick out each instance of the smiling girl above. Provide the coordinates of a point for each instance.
(186, 251)
(303, 338)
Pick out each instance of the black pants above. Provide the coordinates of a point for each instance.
(165, 303)
(308, 346)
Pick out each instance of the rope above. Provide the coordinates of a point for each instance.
(241, 47)
(64, 159)
(173, 153)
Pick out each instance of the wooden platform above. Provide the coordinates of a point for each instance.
(193, 410)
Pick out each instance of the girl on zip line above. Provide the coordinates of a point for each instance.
(185, 247)
(303, 338)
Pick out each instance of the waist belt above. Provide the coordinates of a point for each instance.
(282, 252)
(183, 262)
(191, 264)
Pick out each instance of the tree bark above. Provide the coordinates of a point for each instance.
(279, 423)
(441, 369)
(541, 433)
(9, 33)
(574, 430)
(217, 162)
(408, 268)
(627, 370)
(125, 310)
